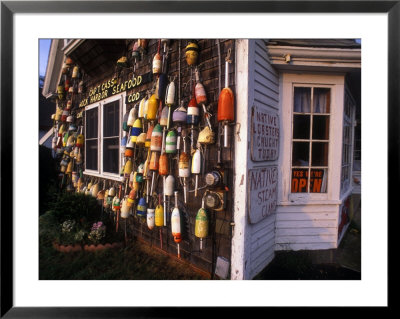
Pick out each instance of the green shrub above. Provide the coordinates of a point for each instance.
(71, 218)
(79, 207)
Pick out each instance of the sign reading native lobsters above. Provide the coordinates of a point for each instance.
(262, 192)
(264, 144)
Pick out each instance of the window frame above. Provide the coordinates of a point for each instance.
(122, 109)
(346, 185)
(310, 140)
(335, 82)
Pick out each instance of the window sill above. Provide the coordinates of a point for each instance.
(114, 177)
(302, 202)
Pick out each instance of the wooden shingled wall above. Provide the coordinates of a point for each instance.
(218, 243)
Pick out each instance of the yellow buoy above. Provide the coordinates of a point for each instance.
(152, 108)
(191, 53)
(159, 215)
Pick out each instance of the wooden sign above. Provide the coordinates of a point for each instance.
(113, 86)
(262, 192)
(264, 144)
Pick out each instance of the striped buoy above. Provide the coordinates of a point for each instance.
(141, 208)
(156, 139)
(192, 112)
(170, 142)
(136, 130)
(148, 136)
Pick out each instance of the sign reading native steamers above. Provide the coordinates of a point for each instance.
(264, 135)
(113, 86)
(262, 192)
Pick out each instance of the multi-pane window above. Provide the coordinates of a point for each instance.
(111, 137)
(102, 127)
(310, 139)
(92, 139)
(347, 144)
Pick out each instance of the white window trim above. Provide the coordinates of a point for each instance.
(352, 120)
(122, 111)
(336, 83)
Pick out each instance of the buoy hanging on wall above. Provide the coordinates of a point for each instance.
(176, 224)
(191, 53)
(226, 103)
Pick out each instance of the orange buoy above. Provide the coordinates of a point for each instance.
(226, 103)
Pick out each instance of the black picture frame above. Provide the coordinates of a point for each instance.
(9, 8)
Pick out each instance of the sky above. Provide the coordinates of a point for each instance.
(44, 48)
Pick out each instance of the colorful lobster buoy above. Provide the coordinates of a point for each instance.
(170, 100)
(191, 53)
(128, 168)
(176, 224)
(125, 208)
(179, 117)
(141, 208)
(148, 136)
(152, 108)
(157, 63)
(201, 225)
(196, 168)
(226, 104)
(163, 170)
(129, 148)
(184, 171)
(75, 72)
(159, 215)
(150, 218)
(131, 198)
(133, 113)
(170, 143)
(136, 130)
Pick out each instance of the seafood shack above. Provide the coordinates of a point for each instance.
(218, 152)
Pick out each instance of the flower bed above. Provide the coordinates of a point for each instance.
(85, 247)
(76, 222)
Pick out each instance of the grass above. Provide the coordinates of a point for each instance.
(137, 261)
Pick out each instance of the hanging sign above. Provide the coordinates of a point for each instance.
(262, 192)
(111, 87)
(264, 144)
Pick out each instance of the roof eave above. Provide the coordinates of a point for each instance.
(335, 59)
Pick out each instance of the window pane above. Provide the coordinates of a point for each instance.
(111, 155)
(92, 123)
(300, 153)
(318, 180)
(299, 180)
(301, 126)
(321, 100)
(91, 154)
(111, 119)
(319, 154)
(302, 100)
(320, 127)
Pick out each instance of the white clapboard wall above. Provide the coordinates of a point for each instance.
(263, 94)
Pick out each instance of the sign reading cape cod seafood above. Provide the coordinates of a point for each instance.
(264, 145)
(115, 86)
(262, 192)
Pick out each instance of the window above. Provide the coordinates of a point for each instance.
(102, 134)
(347, 145)
(310, 139)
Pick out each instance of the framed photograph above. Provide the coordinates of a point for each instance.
(375, 24)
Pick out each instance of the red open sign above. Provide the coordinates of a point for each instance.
(300, 180)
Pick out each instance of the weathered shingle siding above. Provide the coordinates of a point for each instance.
(263, 93)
